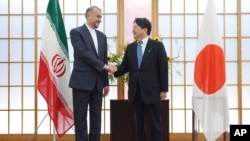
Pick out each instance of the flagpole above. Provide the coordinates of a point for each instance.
(38, 127)
(54, 133)
(225, 136)
(194, 127)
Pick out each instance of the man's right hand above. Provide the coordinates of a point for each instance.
(110, 68)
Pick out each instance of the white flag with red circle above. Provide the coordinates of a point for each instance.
(209, 100)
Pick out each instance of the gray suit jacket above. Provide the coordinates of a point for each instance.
(88, 65)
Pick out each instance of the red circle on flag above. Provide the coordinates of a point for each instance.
(209, 73)
(59, 66)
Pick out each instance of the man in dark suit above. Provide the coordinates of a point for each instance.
(148, 79)
(89, 78)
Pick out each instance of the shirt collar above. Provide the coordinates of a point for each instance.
(89, 28)
(145, 41)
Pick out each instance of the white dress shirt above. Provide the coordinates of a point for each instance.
(144, 43)
(94, 37)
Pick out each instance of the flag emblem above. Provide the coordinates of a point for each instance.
(58, 64)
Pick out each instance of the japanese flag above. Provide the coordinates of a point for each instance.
(209, 100)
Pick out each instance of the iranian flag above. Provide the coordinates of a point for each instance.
(54, 70)
(209, 100)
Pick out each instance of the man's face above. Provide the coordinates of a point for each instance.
(95, 18)
(138, 32)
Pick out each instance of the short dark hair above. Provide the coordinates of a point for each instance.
(144, 23)
(90, 9)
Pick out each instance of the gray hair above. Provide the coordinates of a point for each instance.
(90, 9)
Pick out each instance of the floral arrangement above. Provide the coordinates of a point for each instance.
(117, 59)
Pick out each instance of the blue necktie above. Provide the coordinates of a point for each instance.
(139, 53)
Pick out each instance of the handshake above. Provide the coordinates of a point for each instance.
(111, 68)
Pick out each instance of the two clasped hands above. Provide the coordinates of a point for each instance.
(111, 68)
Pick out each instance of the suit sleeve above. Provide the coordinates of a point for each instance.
(123, 68)
(163, 68)
(81, 50)
(106, 78)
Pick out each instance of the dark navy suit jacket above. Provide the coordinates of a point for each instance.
(88, 65)
(152, 75)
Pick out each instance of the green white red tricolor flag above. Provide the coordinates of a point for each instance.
(209, 100)
(54, 70)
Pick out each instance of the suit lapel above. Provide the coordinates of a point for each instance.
(99, 40)
(88, 35)
(147, 51)
(134, 54)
